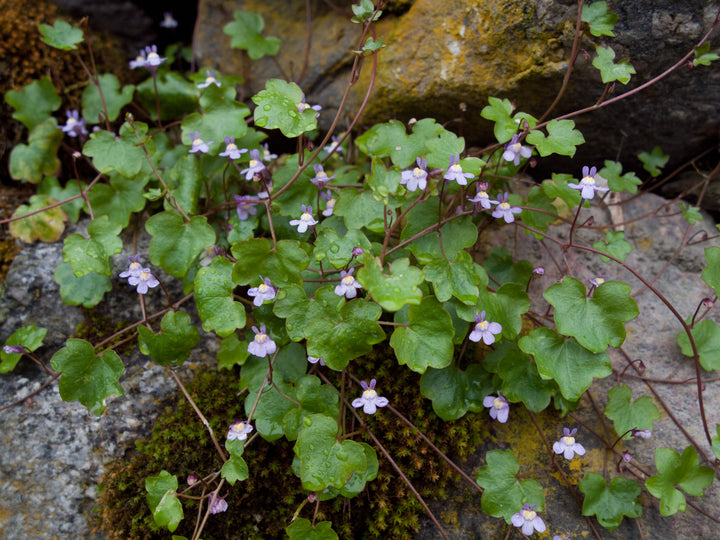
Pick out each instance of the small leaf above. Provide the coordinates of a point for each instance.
(601, 21)
(87, 255)
(172, 346)
(86, 377)
(34, 102)
(716, 443)
(711, 273)
(610, 503)
(394, 290)
(501, 267)
(37, 159)
(499, 111)
(370, 46)
(87, 290)
(119, 199)
(455, 392)
(610, 71)
(235, 468)
(611, 172)
(61, 35)
(458, 234)
(30, 337)
(46, 226)
(214, 297)
(120, 154)
(338, 251)
(232, 352)
(625, 415)
(302, 529)
(298, 311)
(51, 187)
(246, 33)
(178, 96)
(691, 214)
(557, 187)
(615, 245)
(162, 499)
(361, 210)
(562, 138)
(363, 11)
(256, 257)
(459, 278)
(115, 99)
(703, 55)
(506, 307)
(653, 161)
(277, 108)
(706, 334)
(175, 244)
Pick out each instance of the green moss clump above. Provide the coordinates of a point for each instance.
(262, 506)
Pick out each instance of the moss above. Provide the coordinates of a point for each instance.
(262, 506)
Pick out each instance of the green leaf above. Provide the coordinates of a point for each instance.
(232, 352)
(314, 398)
(187, 182)
(363, 11)
(610, 71)
(214, 297)
(458, 234)
(562, 138)
(354, 335)
(627, 182)
(120, 198)
(86, 377)
(30, 337)
(703, 55)
(499, 111)
(653, 161)
(596, 321)
(338, 251)
(301, 191)
(87, 255)
(601, 21)
(455, 392)
(302, 529)
(640, 414)
(87, 290)
(394, 290)
(37, 159)
(675, 471)
(277, 108)
(615, 245)
(256, 257)
(382, 181)
(178, 96)
(706, 334)
(34, 102)
(370, 46)
(716, 443)
(246, 33)
(610, 503)
(172, 345)
(360, 210)
(115, 99)
(292, 305)
(711, 273)
(501, 267)
(441, 147)
(123, 154)
(691, 214)
(324, 461)
(557, 187)
(162, 499)
(175, 244)
(573, 367)
(61, 35)
(235, 468)
(505, 307)
(391, 139)
(503, 493)
(425, 339)
(46, 226)
(51, 187)
(545, 215)
(459, 278)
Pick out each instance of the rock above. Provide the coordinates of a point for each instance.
(445, 56)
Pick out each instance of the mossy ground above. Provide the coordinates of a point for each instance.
(262, 506)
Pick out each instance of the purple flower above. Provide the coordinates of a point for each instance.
(255, 167)
(302, 107)
(357, 251)
(330, 206)
(369, 400)
(264, 291)
(14, 349)
(641, 433)
(626, 457)
(417, 177)
(558, 537)
(456, 173)
(306, 219)
(587, 185)
(217, 504)
(316, 359)
(504, 210)
(528, 520)
(144, 281)
(231, 149)
(334, 146)
(245, 207)
(321, 178)
(348, 285)
(192, 479)
(484, 330)
(514, 151)
(208, 254)
(75, 126)
(483, 199)
(239, 430)
(499, 407)
(567, 445)
(139, 61)
(134, 268)
(149, 58)
(197, 144)
(263, 344)
(267, 155)
(598, 280)
(168, 21)
(209, 79)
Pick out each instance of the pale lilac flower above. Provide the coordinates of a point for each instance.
(231, 149)
(334, 146)
(357, 251)
(330, 206)
(263, 344)
(14, 349)
(75, 126)
(217, 505)
(587, 185)
(265, 291)
(483, 199)
(456, 173)
(256, 167)
(267, 155)
(348, 285)
(144, 281)
(369, 400)
(321, 178)
(567, 445)
(484, 330)
(499, 407)
(626, 457)
(514, 150)
(641, 433)
(598, 280)
(197, 144)
(558, 537)
(245, 207)
(209, 79)
(306, 220)
(528, 520)
(192, 479)
(168, 21)
(140, 60)
(239, 431)
(208, 254)
(316, 359)
(134, 268)
(504, 210)
(302, 107)
(153, 59)
(415, 178)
